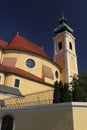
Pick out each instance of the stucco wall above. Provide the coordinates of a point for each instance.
(63, 116)
(80, 116)
(51, 117)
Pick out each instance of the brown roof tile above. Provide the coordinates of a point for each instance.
(20, 43)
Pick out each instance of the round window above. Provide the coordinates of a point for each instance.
(56, 74)
(30, 63)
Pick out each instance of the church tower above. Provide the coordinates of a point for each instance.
(64, 50)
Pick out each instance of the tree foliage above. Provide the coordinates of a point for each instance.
(56, 93)
(78, 93)
(83, 81)
(61, 92)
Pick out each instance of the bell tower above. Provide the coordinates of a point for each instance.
(64, 50)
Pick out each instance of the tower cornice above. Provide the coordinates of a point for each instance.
(65, 33)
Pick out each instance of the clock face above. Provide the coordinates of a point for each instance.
(30, 63)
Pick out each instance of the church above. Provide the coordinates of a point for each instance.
(27, 77)
(25, 68)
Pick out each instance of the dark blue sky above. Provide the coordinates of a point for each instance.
(36, 19)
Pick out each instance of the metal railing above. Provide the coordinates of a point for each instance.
(35, 99)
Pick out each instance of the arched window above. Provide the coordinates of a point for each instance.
(60, 45)
(70, 45)
(56, 74)
(7, 123)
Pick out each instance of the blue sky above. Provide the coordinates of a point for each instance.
(36, 19)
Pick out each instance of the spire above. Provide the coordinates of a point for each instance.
(62, 19)
(63, 26)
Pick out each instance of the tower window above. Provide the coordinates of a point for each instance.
(17, 83)
(0, 78)
(56, 74)
(60, 45)
(70, 45)
(7, 123)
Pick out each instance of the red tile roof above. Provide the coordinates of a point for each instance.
(20, 43)
(20, 72)
(3, 44)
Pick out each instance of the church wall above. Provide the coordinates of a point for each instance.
(39, 61)
(5, 80)
(27, 86)
(8, 80)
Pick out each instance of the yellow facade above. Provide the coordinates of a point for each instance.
(63, 76)
(26, 86)
(37, 70)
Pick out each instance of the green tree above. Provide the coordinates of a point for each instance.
(83, 81)
(60, 84)
(56, 93)
(78, 93)
(66, 94)
(61, 92)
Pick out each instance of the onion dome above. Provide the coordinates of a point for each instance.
(63, 26)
